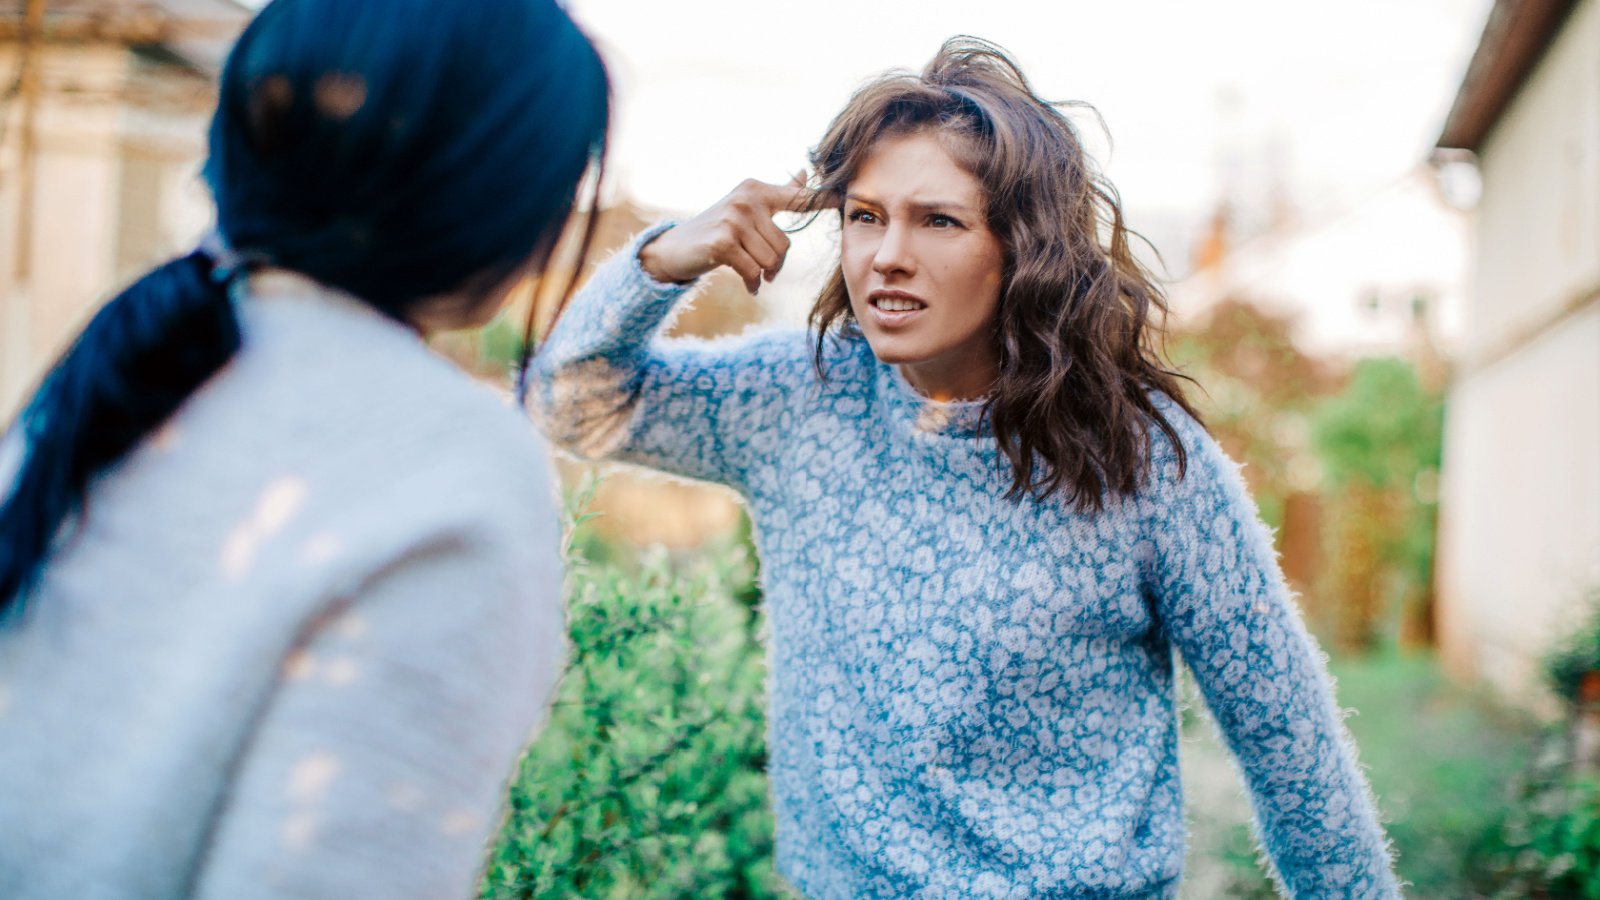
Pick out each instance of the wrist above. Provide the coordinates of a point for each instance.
(650, 261)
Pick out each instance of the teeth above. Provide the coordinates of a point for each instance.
(895, 304)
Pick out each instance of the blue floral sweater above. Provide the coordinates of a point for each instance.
(971, 696)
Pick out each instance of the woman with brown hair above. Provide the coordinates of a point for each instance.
(986, 516)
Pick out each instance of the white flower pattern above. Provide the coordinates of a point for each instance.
(970, 696)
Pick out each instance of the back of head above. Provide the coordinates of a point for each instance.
(398, 150)
(1079, 317)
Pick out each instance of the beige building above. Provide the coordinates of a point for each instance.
(101, 141)
(1519, 553)
(103, 122)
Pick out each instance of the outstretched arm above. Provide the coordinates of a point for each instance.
(1224, 603)
(606, 386)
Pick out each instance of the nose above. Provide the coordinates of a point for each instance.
(894, 253)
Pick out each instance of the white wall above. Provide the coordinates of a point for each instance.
(71, 227)
(1520, 544)
(89, 124)
(1520, 508)
(75, 185)
(1539, 213)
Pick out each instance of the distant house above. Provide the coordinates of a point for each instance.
(1375, 277)
(102, 129)
(1519, 553)
(104, 106)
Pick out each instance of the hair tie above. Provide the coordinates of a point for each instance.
(226, 262)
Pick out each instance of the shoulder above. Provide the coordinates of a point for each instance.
(1204, 492)
(1187, 460)
(455, 462)
(758, 359)
(382, 420)
(848, 354)
(810, 369)
(1187, 433)
(847, 363)
(464, 487)
(482, 457)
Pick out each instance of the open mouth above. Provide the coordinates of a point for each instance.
(897, 304)
(894, 307)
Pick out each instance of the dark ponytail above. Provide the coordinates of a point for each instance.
(140, 357)
(397, 150)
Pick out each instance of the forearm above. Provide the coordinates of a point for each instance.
(607, 386)
(586, 379)
(1223, 601)
(1264, 681)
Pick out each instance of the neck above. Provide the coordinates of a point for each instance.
(271, 280)
(950, 384)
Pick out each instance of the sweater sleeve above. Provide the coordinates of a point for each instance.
(378, 765)
(606, 385)
(1224, 603)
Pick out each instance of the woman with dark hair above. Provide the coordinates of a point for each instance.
(281, 586)
(985, 512)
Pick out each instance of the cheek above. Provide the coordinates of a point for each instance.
(856, 266)
(989, 289)
(977, 278)
(853, 253)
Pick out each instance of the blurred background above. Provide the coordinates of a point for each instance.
(1380, 227)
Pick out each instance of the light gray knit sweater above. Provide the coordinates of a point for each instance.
(298, 639)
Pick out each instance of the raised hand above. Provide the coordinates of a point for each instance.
(737, 232)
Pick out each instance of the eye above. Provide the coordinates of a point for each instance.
(865, 216)
(940, 220)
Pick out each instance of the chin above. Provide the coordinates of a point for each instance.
(894, 352)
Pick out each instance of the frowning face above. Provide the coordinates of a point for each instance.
(922, 267)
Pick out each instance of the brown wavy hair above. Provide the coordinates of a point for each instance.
(1080, 322)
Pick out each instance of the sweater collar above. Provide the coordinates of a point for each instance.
(909, 408)
(282, 287)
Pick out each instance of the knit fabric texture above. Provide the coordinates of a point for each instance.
(296, 640)
(973, 696)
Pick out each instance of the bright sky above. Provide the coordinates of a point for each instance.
(1200, 97)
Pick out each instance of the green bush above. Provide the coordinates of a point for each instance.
(1576, 660)
(1440, 760)
(649, 780)
(1379, 440)
(1548, 845)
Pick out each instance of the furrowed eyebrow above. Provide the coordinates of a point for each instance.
(918, 206)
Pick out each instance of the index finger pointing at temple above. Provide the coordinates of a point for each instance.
(790, 198)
